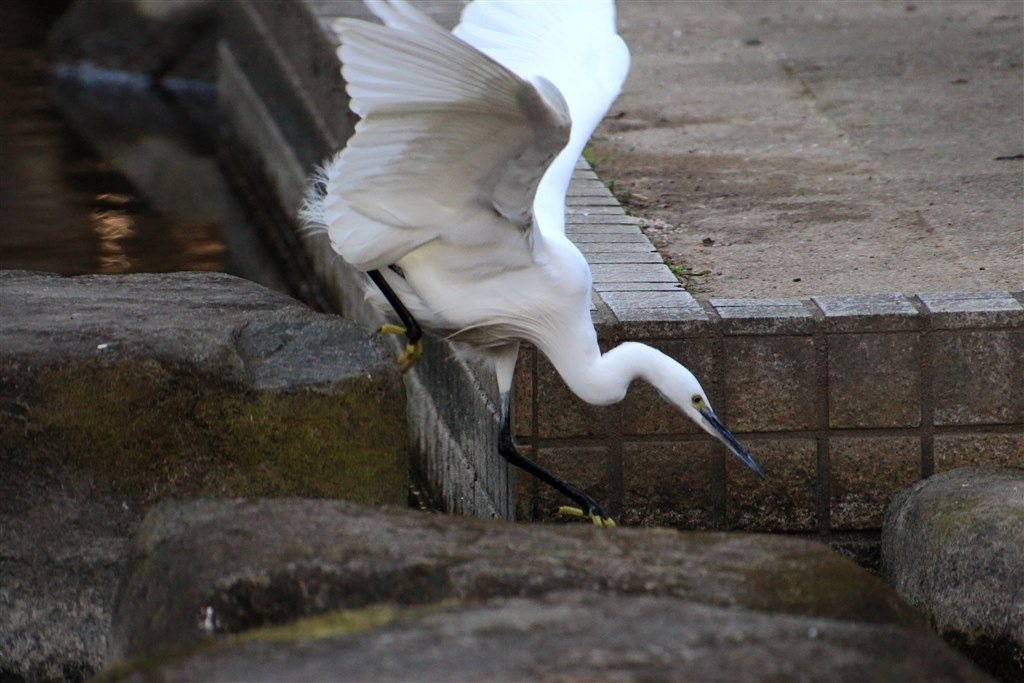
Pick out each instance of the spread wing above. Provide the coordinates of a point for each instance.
(451, 145)
(572, 44)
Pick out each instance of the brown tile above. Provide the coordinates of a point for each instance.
(874, 380)
(644, 411)
(770, 383)
(522, 394)
(560, 414)
(977, 377)
(585, 467)
(668, 484)
(964, 450)
(787, 501)
(865, 473)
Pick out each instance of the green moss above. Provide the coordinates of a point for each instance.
(153, 433)
(328, 625)
(824, 585)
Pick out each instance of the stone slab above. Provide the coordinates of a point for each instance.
(459, 583)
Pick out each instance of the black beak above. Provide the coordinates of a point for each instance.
(725, 436)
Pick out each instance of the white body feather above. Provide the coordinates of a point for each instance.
(457, 175)
(458, 170)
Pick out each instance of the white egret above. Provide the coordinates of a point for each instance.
(450, 195)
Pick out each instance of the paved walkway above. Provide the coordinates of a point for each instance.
(798, 148)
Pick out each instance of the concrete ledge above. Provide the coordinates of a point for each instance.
(844, 399)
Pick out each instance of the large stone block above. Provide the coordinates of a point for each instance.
(192, 383)
(433, 598)
(952, 546)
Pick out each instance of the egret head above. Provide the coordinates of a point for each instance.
(696, 406)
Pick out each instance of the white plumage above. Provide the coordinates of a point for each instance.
(453, 188)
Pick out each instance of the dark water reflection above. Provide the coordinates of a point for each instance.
(110, 176)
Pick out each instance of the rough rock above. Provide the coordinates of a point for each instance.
(116, 392)
(953, 546)
(574, 636)
(428, 597)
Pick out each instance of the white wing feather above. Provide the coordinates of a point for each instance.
(572, 44)
(451, 144)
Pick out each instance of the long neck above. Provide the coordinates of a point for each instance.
(603, 379)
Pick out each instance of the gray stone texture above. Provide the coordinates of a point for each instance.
(119, 391)
(952, 546)
(568, 636)
(442, 598)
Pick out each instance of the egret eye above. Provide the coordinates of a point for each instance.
(697, 401)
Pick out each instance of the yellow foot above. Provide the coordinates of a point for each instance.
(597, 519)
(413, 351)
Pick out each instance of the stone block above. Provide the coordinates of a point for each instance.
(560, 414)
(245, 390)
(639, 257)
(864, 475)
(868, 312)
(596, 208)
(598, 217)
(584, 187)
(656, 273)
(668, 483)
(874, 380)
(951, 546)
(644, 411)
(522, 392)
(580, 203)
(763, 316)
(586, 467)
(962, 450)
(977, 377)
(771, 383)
(787, 501)
(657, 304)
(956, 310)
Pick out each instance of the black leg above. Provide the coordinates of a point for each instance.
(412, 328)
(507, 449)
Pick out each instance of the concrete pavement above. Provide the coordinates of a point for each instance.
(801, 148)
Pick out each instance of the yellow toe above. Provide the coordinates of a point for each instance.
(411, 355)
(597, 519)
